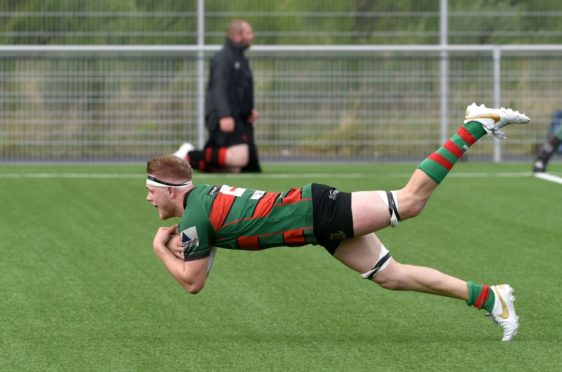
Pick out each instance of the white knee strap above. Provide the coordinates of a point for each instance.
(381, 264)
(390, 198)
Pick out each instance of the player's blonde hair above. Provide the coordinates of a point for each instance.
(169, 168)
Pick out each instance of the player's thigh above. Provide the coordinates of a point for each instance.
(370, 212)
(359, 253)
(237, 155)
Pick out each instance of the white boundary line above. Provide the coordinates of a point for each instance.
(549, 177)
(267, 175)
(71, 175)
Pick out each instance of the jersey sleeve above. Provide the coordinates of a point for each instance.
(195, 233)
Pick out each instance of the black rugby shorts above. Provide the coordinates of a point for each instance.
(333, 220)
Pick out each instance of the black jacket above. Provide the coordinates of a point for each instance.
(230, 90)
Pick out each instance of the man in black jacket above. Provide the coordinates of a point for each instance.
(229, 109)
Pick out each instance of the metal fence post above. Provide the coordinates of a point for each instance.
(444, 72)
(200, 73)
(497, 98)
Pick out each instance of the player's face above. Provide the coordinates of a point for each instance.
(160, 198)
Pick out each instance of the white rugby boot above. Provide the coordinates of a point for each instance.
(494, 119)
(504, 311)
(184, 150)
(539, 166)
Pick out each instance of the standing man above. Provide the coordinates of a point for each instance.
(229, 109)
(343, 223)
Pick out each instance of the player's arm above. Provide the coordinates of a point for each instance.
(191, 275)
(221, 81)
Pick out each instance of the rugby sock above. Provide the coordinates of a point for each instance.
(208, 160)
(196, 159)
(480, 296)
(438, 164)
(215, 156)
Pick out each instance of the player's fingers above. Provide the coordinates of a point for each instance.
(172, 229)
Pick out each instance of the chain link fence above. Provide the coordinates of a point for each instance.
(316, 104)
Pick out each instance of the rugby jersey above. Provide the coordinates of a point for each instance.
(240, 218)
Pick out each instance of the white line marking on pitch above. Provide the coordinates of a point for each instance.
(549, 177)
(263, 175)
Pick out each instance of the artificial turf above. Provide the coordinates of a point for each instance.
(83, 291)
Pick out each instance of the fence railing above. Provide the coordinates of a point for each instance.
(337, 103)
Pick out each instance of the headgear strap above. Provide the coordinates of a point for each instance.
(153, 181)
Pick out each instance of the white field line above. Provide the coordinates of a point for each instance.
(549, 177)
(264, 175)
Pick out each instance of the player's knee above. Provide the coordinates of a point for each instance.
(392, 279)
(192, 289)
(237, 162)
(390, 284)
(241, 160)
(383, 270)
(237, 156)
(417, 206)
(411, 204)
(234, 169)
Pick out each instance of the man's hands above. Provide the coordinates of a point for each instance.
(192, 274)
(168, 238)
(253, 118)
(227, 124)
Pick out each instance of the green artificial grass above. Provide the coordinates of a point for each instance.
(83, 291)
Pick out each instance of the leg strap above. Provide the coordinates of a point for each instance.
(391, 200)
(381, 264)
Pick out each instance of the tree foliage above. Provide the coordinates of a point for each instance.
(279, 22)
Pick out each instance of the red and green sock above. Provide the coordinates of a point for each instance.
(480, 296)
(208, 160)
(438, 164)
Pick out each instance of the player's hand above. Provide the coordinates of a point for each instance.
(227, 124)
(163, 236)
(174, 245)
(254, 116)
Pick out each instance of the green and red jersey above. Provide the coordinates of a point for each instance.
(240, 218)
